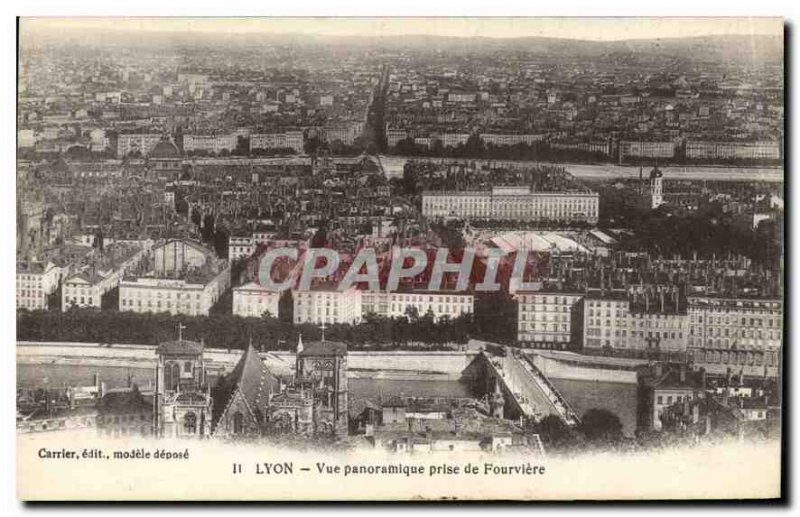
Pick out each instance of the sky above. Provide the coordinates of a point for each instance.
(598, 29)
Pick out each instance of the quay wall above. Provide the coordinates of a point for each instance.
(389, 365)
(555, 369)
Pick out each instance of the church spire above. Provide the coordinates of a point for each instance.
(299, 343)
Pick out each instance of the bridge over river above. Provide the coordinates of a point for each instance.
(528, 393)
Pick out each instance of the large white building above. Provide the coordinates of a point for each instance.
(142, 143)
(240, 247)
(35, 281)
(609, 322)
(393, 136)
(510, 139)
(321, 305)
(209, 143)
(451, 304)
(253, 300)
(346, 133)
(513, 203)
(646, 149)
(184, 278)
(87, 287)
(740, 333)
(452, 139)
(733, 150)
(288, 139)
(243, 247)
(549, 319)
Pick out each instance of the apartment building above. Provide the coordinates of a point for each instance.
(240, 247)
(646, 149)
(510, 139)
(451, 304)
(733, 150)
(142, 143)
(35, 282)
(611, 323)
(551, 320)
(738, 333)
(285, 140)
(393, 136)
(87, 287)
(326, 305)
(209, 143)
(253, 300)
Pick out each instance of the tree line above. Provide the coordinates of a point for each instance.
(235, 332)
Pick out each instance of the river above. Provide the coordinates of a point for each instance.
(619, 398)
(393, 165)
(582, 395)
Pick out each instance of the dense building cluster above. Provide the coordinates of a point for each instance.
(158, 179)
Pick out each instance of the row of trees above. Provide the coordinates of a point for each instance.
(475, 147)
(599, 429)
(228, 331)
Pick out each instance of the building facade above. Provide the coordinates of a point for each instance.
(611, 323)
(253, 300)
(550, 319)
(327, 306)
(142, 143)
(440, 304)
(183, 393)
(513, 203)
(738, 333)
(35, 282)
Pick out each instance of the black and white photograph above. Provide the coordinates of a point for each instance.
(406, 259)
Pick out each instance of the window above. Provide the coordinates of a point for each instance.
(238, 423)
(187, 367)
(190, 423)
(171, 375)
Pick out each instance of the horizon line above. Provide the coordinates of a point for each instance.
(605, 29)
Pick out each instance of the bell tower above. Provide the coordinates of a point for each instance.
(183, 396)
(322, 366)
(656, 188)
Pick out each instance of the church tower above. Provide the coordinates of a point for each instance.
(183, 396)
(656, 188)
(322, 367)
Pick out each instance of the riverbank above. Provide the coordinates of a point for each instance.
(393, 165)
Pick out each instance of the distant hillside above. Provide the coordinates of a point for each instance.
(761, 48)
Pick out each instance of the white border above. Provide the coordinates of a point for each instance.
(787, 9)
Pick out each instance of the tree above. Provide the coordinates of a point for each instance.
(410, 179)
(312, 145)
(320, 238)
(601, 425)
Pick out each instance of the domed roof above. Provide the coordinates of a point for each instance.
(165, 149)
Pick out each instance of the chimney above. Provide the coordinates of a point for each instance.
(683, 373)
(658, 369)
